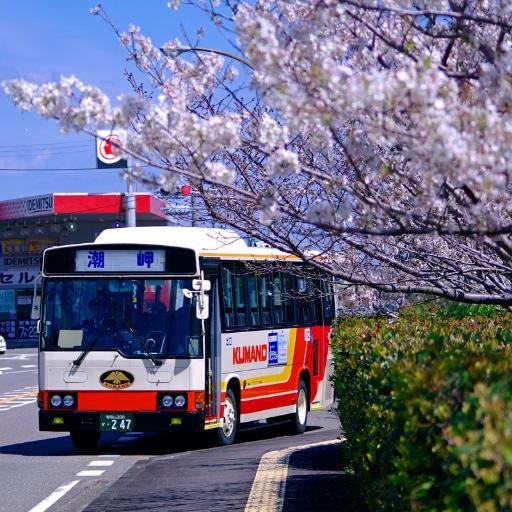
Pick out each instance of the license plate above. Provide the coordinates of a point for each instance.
(114, 422)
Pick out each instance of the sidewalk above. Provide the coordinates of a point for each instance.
(317, 482)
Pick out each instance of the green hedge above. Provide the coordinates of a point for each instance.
(425, 402)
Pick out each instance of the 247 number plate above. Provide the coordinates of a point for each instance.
(114, 422)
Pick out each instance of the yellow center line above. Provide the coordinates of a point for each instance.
(15, 397)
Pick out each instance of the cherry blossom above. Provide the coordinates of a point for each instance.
(371, 137)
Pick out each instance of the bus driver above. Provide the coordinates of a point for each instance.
(98, 310)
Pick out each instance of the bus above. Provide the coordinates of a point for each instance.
(168, 329)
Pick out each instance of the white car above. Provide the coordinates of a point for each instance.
(3, 346)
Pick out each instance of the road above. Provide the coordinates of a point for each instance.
(42, 471)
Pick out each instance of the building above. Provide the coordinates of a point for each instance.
(31, 224)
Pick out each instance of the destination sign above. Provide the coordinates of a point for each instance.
(112, 259)
(128, 260)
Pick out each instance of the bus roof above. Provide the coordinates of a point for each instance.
(213, 242)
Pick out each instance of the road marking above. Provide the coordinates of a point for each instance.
(269, 484)
(19, 357)
(6, 368)
(20, 405)
(54, 497)
(22, 371)
(18, 396)
(91, 472)
(29, 365)
(99, 463)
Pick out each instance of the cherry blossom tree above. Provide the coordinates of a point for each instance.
(371, 137)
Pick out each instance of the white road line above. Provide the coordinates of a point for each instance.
(269, 484)
(99, 463)
(54, 497)
(22, 371)
(29, 365)
(91, 472)
(9, 407)
(6, 368)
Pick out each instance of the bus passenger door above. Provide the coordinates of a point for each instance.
(212, 352)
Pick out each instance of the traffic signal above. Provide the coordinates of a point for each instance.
(178, 190)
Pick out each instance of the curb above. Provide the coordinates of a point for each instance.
(269, 485)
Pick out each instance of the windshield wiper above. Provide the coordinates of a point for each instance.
(140, 340)
(102, 330)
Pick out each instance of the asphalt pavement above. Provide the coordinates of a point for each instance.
(223, 478)
(158, 472)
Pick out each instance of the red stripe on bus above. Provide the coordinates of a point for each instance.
(265, 403)
(117, 401)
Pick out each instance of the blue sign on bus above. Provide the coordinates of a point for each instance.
(273, 349)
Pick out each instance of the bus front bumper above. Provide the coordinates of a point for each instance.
(158, 421)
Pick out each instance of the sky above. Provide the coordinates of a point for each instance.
(43, 40)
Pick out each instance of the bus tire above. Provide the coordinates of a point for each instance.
(85, 441)
(226, 433)
(299, 420)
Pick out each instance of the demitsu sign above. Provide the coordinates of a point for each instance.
(37, 205)
(27, 207)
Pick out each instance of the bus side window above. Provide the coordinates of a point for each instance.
(305, 301)
(252, 290)
(227, 290)
(327, 301)
(283, 305)
(289, 312)
(264, 297)
(240, 302)
(278, 298)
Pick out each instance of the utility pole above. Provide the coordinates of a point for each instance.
(129, 202)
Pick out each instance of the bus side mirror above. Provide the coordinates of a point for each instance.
(35, 312)
(200, 286)
(202, 307)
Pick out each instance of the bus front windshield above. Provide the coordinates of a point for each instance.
(138, 318)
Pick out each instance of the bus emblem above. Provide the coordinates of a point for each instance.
(116, 379)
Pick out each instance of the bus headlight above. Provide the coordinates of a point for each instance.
(179, 401)
(167, 401)
(68, 401)
(62, 399)
(56, 400)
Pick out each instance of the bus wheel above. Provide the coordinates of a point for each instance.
(299, 419)
(85, 441)
(229, 424)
